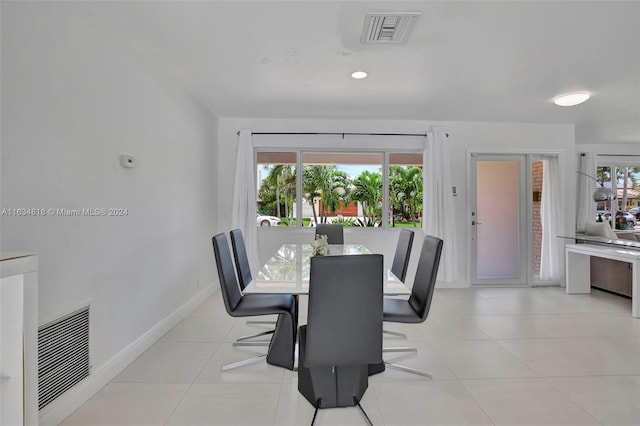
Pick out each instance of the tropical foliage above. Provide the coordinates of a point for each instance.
(367, 190)
(405, 193)
(329, 187)
(327, 184)
(278, 189)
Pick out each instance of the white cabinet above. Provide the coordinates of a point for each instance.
(18, 339)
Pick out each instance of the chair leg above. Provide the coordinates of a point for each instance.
(315, 412)
(395, 333)
(254, 335)
(364, 413)
(265, 343)
(400, 349)
(402, 367)
(409, 369)
(243, 363)
(260, 322)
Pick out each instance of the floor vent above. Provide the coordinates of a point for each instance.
(63, 355)
(387, 27)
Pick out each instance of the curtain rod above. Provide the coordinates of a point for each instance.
(583, 154)
(339, 133)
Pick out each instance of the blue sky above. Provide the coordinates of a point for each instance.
(354, 171)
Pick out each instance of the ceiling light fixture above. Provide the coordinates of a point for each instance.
(359, 74)
(571, 99)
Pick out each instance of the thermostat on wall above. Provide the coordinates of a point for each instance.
(127, 161)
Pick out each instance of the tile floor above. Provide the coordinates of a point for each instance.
(501, 356)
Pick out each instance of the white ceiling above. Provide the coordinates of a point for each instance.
(464, 60)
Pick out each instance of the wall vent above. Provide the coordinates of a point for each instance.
(387, 27)
(63, 355)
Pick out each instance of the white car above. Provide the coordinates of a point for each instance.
(267, 220)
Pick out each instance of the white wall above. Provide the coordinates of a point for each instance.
(73, 100)
(464, 137)
(610, 149)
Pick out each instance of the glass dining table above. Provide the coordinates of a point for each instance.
(288, 270)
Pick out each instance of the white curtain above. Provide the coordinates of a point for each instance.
(586, 208)
(551, 253)
(438, 218)
(243, 206)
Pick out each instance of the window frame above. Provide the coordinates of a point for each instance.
(385, 153)
(615, 162)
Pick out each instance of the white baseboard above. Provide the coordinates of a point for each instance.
(67, 403)
(459, 283)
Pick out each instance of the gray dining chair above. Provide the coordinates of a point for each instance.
(343, 332)
(282, 344)
(401, 264)
(402, 254)
(243, 270)
(416, 308)
(334, 233)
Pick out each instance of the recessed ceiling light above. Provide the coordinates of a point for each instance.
(359, 74)
(571, 99)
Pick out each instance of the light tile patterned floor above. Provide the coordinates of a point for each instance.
(502, 356)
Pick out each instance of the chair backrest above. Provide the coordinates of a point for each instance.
(241, 258)
(426, 274)
(334, 233)
(344, 325)
(403, 252)
(226, 273)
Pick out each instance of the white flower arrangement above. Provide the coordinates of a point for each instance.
(321, 246)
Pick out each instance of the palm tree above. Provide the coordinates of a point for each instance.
(624, 174)
(414, 188)
(335, 189)
(290, 188)
(278, 188)
(288, 185)
(367, 190)
(405, 192)
(281, 179)
(629, 175)
(312, 186)
(274, 179)
(326, 183)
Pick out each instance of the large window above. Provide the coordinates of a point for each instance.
(623, 176)
(356, 189)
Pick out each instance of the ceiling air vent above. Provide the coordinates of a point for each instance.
(387, 27)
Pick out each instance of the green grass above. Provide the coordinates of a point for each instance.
(307, 221)
(292, 223)
(407, 225)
